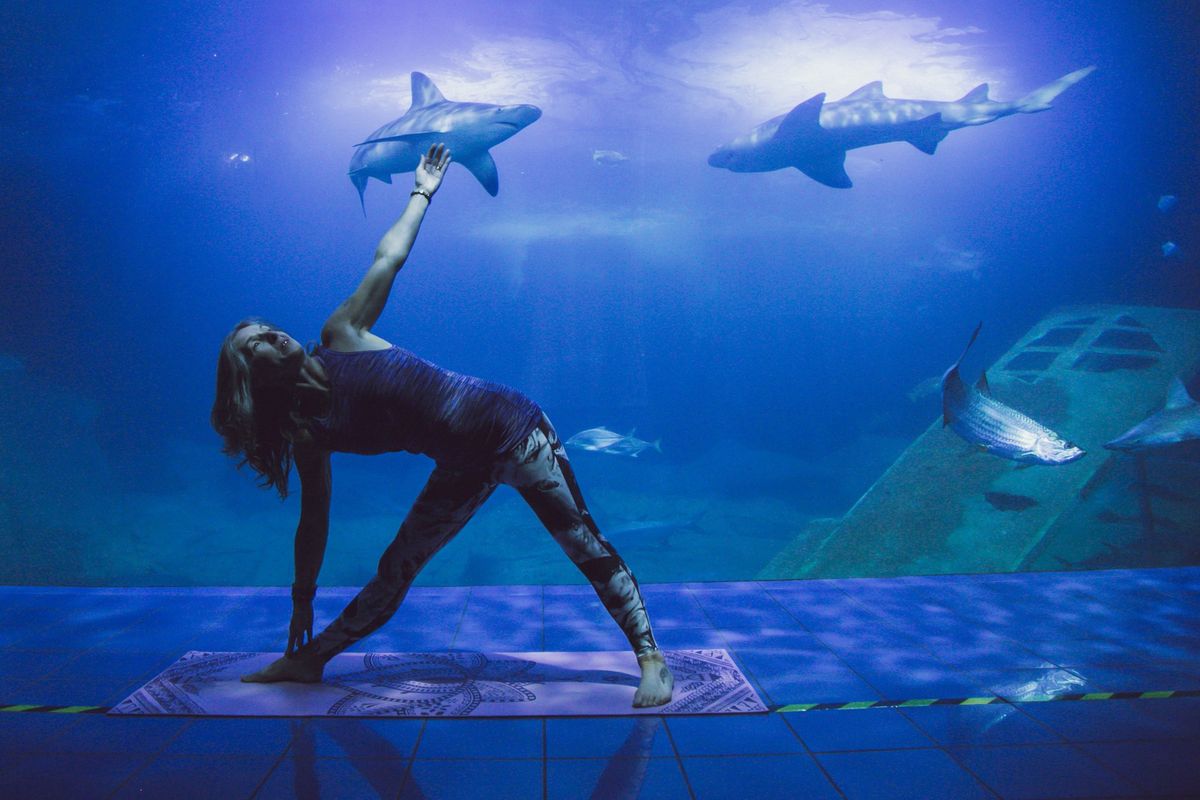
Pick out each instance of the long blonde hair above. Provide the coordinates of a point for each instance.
(254, 418)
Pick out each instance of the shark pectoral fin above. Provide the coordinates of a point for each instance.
(483, 167)
(802, 120)
(412, 138)
(928, 133)
(830, 170)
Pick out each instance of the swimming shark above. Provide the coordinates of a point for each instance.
(999, 429)
(814, 136)
(1177, 422)
(469, 130)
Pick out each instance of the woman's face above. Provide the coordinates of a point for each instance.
(271, 353)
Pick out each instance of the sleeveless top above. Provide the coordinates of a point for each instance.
(387, 400)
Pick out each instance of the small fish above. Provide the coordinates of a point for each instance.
(925, 388)
(1169, 249)
(1003, 501)
(1167, 202)
(1177, 422)
(999, 429)
(602, 440)
(608, 158)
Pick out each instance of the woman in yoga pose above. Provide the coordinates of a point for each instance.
(355, 392)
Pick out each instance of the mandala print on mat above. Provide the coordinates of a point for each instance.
(432, 684)
(172, 691)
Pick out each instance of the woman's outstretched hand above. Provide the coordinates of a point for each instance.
(432, 167)
(300, 631)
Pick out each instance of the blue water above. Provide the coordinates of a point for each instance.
(169, 170)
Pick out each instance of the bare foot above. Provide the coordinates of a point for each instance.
(298, 669)
(657, 681)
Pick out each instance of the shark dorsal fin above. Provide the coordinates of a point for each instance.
(977, 95)
(1177, 395)
(869, 91)
(424, 93)
(982, 384)
(802, 119)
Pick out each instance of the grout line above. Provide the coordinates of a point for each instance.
(687, 782)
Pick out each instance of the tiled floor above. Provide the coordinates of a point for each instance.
(799, 642)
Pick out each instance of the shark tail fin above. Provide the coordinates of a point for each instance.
(359, 180)
(1039, 99)
(657, 445)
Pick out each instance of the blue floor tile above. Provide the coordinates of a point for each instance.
(759, 777)
(999, 723)
(741, 607)
(1040, 771)
(897, 774)
(757, 734)
(224, 736)
(32, 733)
(626, 778)
(357, 738)
(481, 738)
(1157, 768)
(129, 735)
(54, 775)
(583, 737)
(1103, 720)
(202, 778)
(450, 779)
(672, 607)
(335, 778)
(864, 729)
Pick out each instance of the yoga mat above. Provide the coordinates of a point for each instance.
(449, 684)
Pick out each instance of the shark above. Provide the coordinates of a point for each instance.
(814, 136)
(469, 131)
(1177, 422)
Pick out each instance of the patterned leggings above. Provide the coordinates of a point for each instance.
(537, 468)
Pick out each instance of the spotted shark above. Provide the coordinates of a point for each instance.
(814, 136)
(983, 421)
(1177, 422)
(469, 130)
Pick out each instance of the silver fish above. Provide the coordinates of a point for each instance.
(602, 440)
(1003, 431)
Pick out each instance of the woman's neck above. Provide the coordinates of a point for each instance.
(310, 392)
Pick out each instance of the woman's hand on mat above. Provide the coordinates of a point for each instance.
(300, 631)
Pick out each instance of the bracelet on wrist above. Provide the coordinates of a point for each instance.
(427, 195)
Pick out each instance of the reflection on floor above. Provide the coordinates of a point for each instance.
(800, 642)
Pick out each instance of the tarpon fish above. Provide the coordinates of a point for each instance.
(1177, 422)
(602, 440)
(1003, 431)
(814, 136)
(468, 130)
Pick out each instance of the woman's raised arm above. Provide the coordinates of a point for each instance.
(347, 328)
